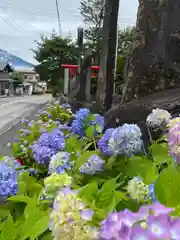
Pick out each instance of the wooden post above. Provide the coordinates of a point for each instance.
(85, 77)
(66, 81)
(107, 56)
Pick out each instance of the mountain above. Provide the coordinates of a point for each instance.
(15, 61)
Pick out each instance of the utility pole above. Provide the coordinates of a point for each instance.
(108, 55)
(58, 16)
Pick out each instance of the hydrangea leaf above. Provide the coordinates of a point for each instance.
(160, 153)
(89, 192)
(142, 167)
(167, 188)
(89, 132)
(8, 229)
(106, 194)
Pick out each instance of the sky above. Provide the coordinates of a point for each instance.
(23, 21)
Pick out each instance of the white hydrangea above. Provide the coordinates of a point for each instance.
(158, 118)
(137, 190)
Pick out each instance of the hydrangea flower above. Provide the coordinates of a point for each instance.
(158, 118)
(8, 181)
(139, 191)
(173, 122)
(150, 222)
(77, 127)
(84, 119)
(53, 183)
(82, 114)
(59, 163)
(174, 142)
(126, 140)
(42, 154)
(11, 162)
(103, 143)
(93, 165)
(69, 218)
(54, 139)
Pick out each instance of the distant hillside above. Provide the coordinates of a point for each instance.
(15, 61)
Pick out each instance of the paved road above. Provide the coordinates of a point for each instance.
(12, 111)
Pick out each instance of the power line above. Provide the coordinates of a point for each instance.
(14, 24)
(72, 17)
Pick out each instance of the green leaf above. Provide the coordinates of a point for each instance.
(167, 187)
(160, 153)
(84, 158)
(20, 198)
(34, 220)
(89, 132)
(142, 167)
(106, 194)
(89, 192)
(8, 230)
(39, 228)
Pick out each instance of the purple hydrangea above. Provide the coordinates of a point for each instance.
(174, 141)
(150, 222)
(54, 139)
(103, 143)
(126, 140)
(8, 181)
(42, 154)
(93, 165)
(77, 127)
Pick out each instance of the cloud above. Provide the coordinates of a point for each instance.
(22, 22)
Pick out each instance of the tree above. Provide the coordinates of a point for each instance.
(51, 53)
(125, 38)
(154, 62)
(93, 12)
(16, 78)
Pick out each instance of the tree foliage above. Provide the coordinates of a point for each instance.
(92, 12)
(125, 38)
(51, 53)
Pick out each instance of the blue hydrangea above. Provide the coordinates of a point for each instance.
(77, 127)
(8, 181)
(54, 139)
(126, 140)
(59, 163)
(11, 162)
(82, 114)
(83, 119)
(93, 165)
(99, 121)
(42, 154)
(152, 192)
(103, 143)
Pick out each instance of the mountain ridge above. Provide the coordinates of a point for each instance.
(14, 60)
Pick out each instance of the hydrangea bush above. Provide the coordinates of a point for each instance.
(71, 179)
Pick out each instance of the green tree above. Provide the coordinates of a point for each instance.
(92, 12)
(51, 53)
(16, 78)
(125, 38)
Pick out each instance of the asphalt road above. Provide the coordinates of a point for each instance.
(12, 111)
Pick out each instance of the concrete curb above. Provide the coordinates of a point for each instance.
(19, 119)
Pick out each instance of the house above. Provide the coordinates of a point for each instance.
(31, 83)
(5, 81)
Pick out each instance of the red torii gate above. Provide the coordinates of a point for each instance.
(72, 69)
